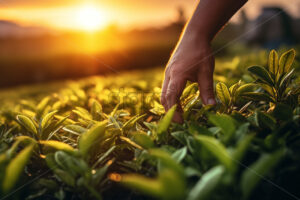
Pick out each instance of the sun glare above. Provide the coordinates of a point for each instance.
(90, 18)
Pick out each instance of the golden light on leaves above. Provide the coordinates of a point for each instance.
(115, 177)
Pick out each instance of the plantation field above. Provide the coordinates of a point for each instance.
(110, 138)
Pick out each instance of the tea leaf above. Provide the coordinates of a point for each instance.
(217, 149)
(27, 123)
(285, 79)
(286, 60)
(283, 112)
(166, 121)
(152, 187)
(257, 96)
(132, 143)
(15, 167)
(265, 120)
(225, 122)
(242, 147)
(91, 137)
(74, 129)
(173, 185)
(179, 155)
(83, 113)
(207, 184)
(46, 119)
(273, 62)
(234, 87)
(143, 140)
(57, 145)
(129, 124)
(223, 93)
(191, 89)
(167, 161)
(262, 74)
(96, 109)
(248, 87)
(257, 171)
(65, 177)
(41, 106)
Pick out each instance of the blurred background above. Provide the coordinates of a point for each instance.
(42, 41)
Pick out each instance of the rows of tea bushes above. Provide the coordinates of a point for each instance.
(109, 138)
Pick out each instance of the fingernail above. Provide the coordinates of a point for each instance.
(211, 102)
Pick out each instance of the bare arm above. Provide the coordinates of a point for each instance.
(192, 58)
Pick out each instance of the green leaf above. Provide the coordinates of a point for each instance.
(223, 93)
(165, 122)
(283, 112)
(115, 110)
(104, 156)
(265, 120)
(257, 96)
(46, 119)
(73, 165)
(242, 147)
(167, 161)
(248, 87)
(143, 140)
(57, 145)
(27, 123)
(173, 185)
(225, 122)
(207, 184)
(83, 113)
(129, 141)
(152, 187)
(96, 109)
(286, 61)
(234, 87)
(196, 129)
(91, 137)
(270, 90)
(74, 129)
(15, 167)
(189, 90)
(284, 80)
(180, 136)
(217, 149)
(65, 177)
(167, 186)
(42, 106)
(129, 124)
(273, 62)
(257, 171)
(262, 74)
(179, 155)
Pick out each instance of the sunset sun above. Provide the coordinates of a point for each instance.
(90, 18)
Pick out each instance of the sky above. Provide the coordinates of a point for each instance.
(92, 14)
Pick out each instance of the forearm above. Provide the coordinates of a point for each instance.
(210, 16)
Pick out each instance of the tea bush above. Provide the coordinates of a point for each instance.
(109, 138)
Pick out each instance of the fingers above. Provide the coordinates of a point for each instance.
(205, 81)
(164, 91)
(174, 91)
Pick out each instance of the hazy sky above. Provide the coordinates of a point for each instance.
(125, 13)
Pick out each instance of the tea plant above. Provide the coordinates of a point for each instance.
(109, 138)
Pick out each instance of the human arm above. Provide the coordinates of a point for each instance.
(192, 58)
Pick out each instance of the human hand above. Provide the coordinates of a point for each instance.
(193, 62)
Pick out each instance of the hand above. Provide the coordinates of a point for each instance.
(190, 61)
